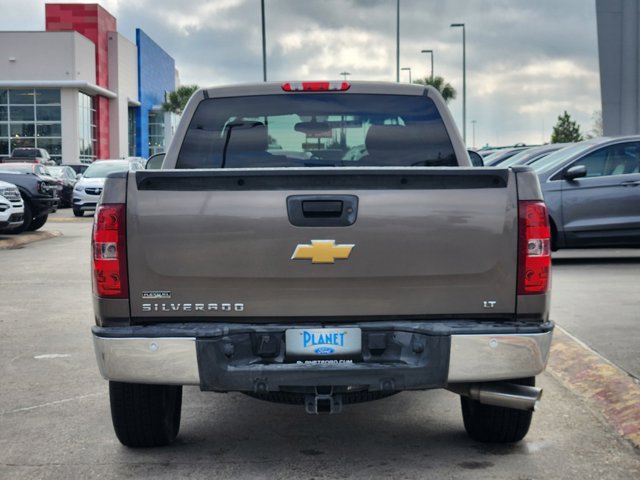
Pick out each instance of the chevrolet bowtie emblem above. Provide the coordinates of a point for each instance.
(322, 251)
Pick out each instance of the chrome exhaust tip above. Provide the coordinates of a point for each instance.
(509, 395)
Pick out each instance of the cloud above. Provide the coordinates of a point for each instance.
(526, 61)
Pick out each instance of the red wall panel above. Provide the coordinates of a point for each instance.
(94, 22)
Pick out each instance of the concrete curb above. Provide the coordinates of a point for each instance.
(9, 242)
(615, 393)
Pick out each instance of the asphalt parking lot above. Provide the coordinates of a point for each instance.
(54, 409)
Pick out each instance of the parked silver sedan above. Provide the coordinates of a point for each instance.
(592, 190)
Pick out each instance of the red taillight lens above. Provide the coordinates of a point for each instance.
(534, 259)
(109, 252)
(315, 86)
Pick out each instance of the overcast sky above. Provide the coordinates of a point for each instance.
(527, 61)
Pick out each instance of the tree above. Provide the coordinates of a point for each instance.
(437, 82)
(597, 130)
(177, 100)
(566, 130)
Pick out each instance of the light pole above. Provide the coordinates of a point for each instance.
(464, 81)
(431, 52)
(344, 74)
(473, 125)
(407, 68)
(264, 47)
(398, 41)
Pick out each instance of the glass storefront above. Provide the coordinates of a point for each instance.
(30, 117)
(87, 127)
(156, 132)
(132, 132)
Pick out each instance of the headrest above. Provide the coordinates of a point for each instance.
(247, 137)
(385, 138)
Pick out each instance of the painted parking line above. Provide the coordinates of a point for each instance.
(614, 392)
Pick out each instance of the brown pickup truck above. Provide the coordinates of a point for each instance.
(321, 244)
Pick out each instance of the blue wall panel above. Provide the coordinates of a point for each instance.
(156, 75)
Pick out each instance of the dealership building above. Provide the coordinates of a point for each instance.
(82, 90)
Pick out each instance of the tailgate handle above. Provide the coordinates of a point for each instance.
(322, 210)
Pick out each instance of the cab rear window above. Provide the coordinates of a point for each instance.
(316, 130)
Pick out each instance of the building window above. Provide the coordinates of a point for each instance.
(87, 127)
(132, 132)
(30, 117)
(156, 132)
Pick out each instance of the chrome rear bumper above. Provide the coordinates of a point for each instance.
(174, 359)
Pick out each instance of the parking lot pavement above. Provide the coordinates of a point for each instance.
(55, 422)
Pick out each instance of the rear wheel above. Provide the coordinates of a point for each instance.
(491, 424)
(38, 222)
(28, 218)
(145, 415)
(77, 212)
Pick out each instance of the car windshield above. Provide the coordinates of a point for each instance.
(552, 159)
(316, 130)
(103, 168)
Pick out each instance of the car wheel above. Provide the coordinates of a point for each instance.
(145, 415)
(37, 223)
(491, 424)
(77, 212)
(28, 218)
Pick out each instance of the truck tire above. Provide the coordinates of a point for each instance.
(490, 424)
(37, 223)
(28, 218)
(145, 415)
(77, 212)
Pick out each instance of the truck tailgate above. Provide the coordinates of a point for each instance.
(426, 242)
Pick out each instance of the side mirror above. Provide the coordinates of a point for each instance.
(155, 161)
(78, 176)
(577, 171)
(476, 158)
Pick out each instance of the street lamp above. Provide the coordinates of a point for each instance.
(473, 125)
(264, 47)
(464, 81)
(431, 52)
(344, 74)
(398, 41)
(407, 68)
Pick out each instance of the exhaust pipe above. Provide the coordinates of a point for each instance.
(509, 395)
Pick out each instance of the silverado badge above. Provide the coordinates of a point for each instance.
(322, 251)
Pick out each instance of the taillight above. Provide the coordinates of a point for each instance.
(534, 259)
(315, 86)
(109, 252)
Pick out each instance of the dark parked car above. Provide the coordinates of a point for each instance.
(39, 197)
(29, 154)
(592, 190)
(39, 170)
(533, 154)
(499, 156)
(68, 177)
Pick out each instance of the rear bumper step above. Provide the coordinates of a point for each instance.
(227, 357)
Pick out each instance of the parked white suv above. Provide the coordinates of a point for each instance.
(88, 189)
(11, 206)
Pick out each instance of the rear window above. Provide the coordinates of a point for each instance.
(316, 130)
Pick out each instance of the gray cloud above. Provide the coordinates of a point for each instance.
(526, 61)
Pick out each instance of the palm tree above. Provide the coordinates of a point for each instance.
(177, 100)
(445, 89)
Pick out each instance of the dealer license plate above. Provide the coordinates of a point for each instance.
(318, 342)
